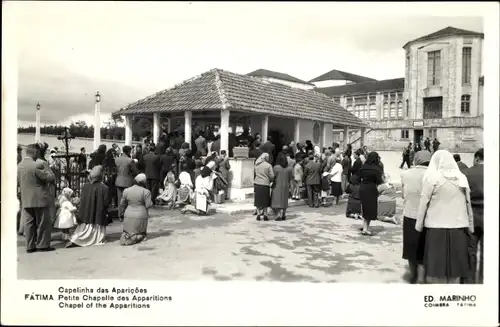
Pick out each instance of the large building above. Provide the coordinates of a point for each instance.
(441, 95)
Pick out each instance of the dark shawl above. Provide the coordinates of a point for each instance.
(94, 202)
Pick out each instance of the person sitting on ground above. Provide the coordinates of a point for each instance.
(224, 167)
(185, 186)
(135, 204)
(387, 201)
(168, 196)
(353, 209)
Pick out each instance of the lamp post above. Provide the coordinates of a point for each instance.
(37, 126)
(97, 122)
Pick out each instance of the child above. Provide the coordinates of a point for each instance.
(169, 194)
(298, 176)
(224, 168)
(336, 179)
(66, 218)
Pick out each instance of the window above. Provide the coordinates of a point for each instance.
(433, 107)
(407, 108)
(465, 105)
(386, 111)
(373, 111)
(432, 133)
(393, 113)
(433, 67)
(400, 109)
(466, 65)
(405, 134)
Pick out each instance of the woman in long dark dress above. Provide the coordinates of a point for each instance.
(281, 186)
(371, 176)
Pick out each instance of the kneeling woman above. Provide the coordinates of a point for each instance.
(135, 204)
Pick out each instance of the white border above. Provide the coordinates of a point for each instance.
(260, 303)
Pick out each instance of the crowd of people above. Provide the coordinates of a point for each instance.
(443, 199)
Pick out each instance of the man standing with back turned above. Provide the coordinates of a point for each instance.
(475, 177)
(35, 201)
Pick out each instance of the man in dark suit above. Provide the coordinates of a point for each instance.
(35, 201)
(312, 176)
(268, 148)
(152, 171)
(459, 162)
(475, 176)
(126, 170)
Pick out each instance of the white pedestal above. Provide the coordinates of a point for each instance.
(241, 178)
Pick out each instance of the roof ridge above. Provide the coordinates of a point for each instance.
(220, 90)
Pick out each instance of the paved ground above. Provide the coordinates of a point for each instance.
(313, 245)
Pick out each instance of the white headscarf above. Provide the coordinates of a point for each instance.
(443, 167)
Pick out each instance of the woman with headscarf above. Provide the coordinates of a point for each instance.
(264, 177)
(281, 186)
(413, 241)
(185, 186)
(135, 204)
(93, 214)
(371, 176)
(203, 188)
(446, 214)
(168, 195)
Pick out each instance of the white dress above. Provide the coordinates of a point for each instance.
(65, 215)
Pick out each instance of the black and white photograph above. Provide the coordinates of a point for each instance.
(260, 143)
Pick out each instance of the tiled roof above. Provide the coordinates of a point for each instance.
(445, 32)
(369, 87)
(282, 76)
(340, 75)
(218, 89)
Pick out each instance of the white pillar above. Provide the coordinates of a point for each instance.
(128, 130)
(265, 128)
(156, 127)
(346, 136)
(296, 132)
(362, 139)
(188, 119)
(224, 130)
(97, 125)
(37, 126)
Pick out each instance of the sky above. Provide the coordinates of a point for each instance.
(129, 50)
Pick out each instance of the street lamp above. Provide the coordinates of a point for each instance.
(97, 121)
(37, 126)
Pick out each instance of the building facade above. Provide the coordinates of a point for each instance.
(441, 95)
